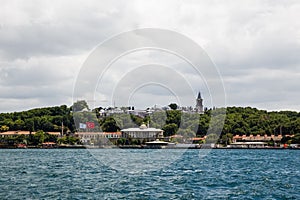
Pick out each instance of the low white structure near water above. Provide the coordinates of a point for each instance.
(143, 133)
(247, 145)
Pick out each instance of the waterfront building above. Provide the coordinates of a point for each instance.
(248, 145)
(142, 133)
(196, 140)
(257, 138)
(14, 133)
(97, 137)
(175, 138)
(51, 133)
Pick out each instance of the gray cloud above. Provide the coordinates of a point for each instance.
(60, 28)
(255, 45)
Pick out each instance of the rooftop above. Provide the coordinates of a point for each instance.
(140, 129)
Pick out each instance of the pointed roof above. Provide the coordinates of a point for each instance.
(199, 95)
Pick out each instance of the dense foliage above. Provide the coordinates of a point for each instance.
(253, 121)
(238, 121)
(46, 119)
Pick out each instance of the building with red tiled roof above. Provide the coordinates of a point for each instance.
(54, 133)
(252, 138)
(14, 133)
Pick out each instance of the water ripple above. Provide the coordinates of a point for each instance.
(222, 174)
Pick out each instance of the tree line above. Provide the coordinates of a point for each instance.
(48, 119)
(238, 121)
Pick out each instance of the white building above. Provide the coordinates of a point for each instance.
(96, 137)
(142, 133)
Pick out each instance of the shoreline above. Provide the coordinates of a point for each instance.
(143, 147)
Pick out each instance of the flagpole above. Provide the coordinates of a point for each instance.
(62, 128)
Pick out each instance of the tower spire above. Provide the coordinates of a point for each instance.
(199, 95)
(199, 103)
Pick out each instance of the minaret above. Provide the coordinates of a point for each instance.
(199, 103)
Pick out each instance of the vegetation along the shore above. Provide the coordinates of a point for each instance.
(238, 121)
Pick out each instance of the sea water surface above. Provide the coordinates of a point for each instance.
(219, 174)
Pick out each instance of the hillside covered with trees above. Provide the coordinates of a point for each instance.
(46, 119)
(238, 121)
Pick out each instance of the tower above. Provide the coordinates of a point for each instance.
(199, 103)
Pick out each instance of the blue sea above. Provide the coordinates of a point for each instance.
(149, 174)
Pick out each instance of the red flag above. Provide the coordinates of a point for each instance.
(90, 125)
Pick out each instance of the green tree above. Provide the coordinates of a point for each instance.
(38, 138)
(212, 138)
(170, 129)
(69, 140)
(4, 128)
(109, 125)
(19, 124)
(136, 119)
(158, 119)
(121, 141)
(286, 140)
(173, 117)
(173, 106)
(79, 106)
(226, 139)
(296, 139)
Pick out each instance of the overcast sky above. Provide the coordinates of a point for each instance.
(254, 44)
